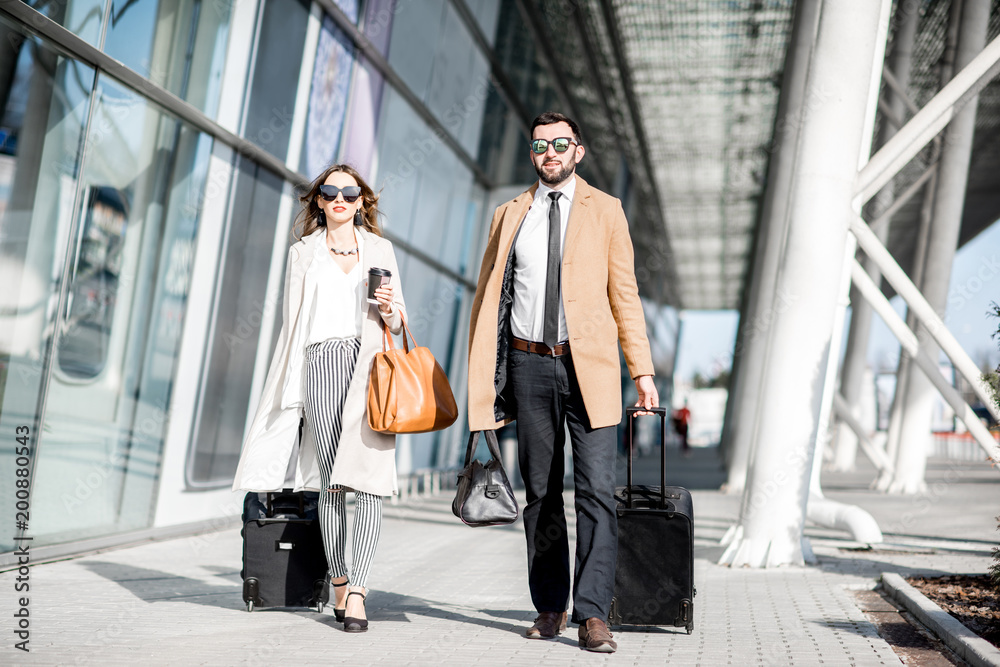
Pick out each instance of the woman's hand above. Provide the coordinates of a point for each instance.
(383, 294)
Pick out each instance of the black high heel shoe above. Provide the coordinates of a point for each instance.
(339, 613)
(352, 624)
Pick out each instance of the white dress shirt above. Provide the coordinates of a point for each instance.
(335, 312)
(321, 318)
(531, 257)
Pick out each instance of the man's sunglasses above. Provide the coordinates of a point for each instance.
(561, 145)
(330, 192)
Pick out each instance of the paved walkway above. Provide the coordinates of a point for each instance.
(445, 594)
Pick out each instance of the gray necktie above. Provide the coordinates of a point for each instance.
(550, 331)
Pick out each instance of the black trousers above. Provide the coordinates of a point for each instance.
(548, 398)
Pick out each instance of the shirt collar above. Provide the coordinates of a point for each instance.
(567, 190)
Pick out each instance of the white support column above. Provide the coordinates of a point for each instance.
(856, 354)
(903, 368)
(770, 531)
(763, 303)
(819, 509)
(949, 203)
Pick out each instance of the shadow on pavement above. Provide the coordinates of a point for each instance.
(156, 586)
(869, 567)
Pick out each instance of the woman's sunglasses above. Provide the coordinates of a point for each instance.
(330, 192)
(561, 145)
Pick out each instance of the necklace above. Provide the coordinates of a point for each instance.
(338, 251)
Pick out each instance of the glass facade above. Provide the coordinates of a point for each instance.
(127, 368)
(239, 312)
(177, 44)
(48, 100)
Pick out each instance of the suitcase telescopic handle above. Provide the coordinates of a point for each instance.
(630, 414)
(270, 499)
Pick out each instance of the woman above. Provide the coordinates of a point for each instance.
(320, 369)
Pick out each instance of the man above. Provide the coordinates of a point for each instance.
(555, 297)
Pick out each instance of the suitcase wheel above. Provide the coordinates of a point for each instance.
(250, 592)
(319, 606)
(689, 628)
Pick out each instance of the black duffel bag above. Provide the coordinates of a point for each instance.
(484, 496)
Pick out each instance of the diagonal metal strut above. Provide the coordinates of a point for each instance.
(928, 122)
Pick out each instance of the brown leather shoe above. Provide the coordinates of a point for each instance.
(548, 625)
(594, 636)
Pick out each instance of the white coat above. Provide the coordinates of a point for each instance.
(366, 460)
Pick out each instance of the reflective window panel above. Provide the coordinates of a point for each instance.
(433, 303)
(83, 17)
(367, 87)
(486, 13)
(460, 82)
(41, 131)
(178, 44)
(240, 305)
(109, 397)
(438, 59)
(276, 68)
(426, 190)
(349, 7)
(328, 94)
(415, 39)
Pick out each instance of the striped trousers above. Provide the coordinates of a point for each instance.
(328, 370)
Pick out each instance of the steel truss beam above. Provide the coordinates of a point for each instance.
(876, 455)
(921, 309)
(899, 202)
(925, 125)
(928, 122)
(908, 340)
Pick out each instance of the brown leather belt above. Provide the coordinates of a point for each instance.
(539, 348)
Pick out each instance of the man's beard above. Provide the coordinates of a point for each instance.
(558, 177)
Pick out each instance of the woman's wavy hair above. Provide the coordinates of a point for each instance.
(311, 217)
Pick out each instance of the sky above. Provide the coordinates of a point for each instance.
(707, 337)
(706, 345)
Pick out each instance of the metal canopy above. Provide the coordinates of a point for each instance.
(692, 88)
(689, 89)
(706, 76)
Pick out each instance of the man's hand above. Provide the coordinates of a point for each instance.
(648, 397)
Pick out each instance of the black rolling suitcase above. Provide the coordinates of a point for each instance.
(654, 577)
(284, 564)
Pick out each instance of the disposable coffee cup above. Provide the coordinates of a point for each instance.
(376, 278)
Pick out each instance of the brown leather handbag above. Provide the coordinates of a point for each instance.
(408, 391)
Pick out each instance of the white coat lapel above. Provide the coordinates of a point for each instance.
(577, 217)
(372, 254)
(301, 294)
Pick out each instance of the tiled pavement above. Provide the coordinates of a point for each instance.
(445, 594)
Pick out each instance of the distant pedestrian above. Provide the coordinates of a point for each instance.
(682, 419)
(556, 295)
(319, 371)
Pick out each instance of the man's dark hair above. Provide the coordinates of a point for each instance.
(553, 117)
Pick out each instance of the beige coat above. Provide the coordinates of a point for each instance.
(600, 298)
(366, 460)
